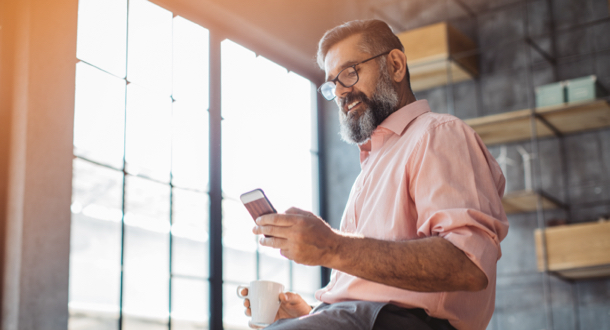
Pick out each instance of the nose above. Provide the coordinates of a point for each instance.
(341, 91)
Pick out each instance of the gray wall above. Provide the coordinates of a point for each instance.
(505, 84)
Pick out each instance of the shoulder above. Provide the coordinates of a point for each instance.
(431, 124)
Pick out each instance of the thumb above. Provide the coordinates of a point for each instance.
(284, 298)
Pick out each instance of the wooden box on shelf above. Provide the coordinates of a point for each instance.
(576, 251)
(437, 55)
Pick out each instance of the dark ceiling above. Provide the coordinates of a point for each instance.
(287, 31)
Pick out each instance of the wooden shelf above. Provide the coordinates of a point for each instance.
(525, 201)
(576, 251)
(515, 126)
(437, 55)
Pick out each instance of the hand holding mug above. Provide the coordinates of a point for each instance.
(291, 305)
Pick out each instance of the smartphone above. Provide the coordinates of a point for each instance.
(257, 203)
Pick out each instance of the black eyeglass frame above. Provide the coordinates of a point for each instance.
(334, 80)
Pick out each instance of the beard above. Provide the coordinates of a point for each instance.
(357, 129)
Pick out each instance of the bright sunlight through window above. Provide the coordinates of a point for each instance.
(140, 208)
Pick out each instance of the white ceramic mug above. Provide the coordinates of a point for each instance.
(264, 300)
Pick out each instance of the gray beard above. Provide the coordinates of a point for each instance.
(358, 130)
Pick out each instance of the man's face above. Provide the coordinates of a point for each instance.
(373, 98)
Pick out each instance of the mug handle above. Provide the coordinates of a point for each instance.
(239, 288)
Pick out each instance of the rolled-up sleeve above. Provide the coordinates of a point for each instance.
(457, 188)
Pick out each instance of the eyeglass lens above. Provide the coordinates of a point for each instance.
(348, 77)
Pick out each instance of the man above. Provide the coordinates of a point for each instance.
(421, 232)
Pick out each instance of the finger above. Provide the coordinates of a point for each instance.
(290, 296)
(247, 303)
(276, 219)
(281, 232)
(274, 242)
(244, 292)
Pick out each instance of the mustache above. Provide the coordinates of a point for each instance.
(353, 96)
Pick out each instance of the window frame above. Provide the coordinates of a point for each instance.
(215, 193)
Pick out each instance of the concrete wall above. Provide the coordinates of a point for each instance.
(37, 69)
(505, 84)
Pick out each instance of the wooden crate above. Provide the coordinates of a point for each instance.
(576, 251)
(439, 54)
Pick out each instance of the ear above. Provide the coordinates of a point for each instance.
(397, 65)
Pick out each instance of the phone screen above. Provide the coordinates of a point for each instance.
(257, 203)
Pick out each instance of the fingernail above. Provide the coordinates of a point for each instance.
(258, 220)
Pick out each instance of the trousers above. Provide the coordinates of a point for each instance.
(363, 315)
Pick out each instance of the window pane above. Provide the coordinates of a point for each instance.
(267, 143)
(150, 46)
(264, 144)
(102, 34)
(146, 286)
(190, 62)
(148, 134)
(190, 152)
(190, 307)
(273, 266)
(99, 117)
(239, 244)
(305, 279)
(233, 316)
(190, 240)
(95, 255)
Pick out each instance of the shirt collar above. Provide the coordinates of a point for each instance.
(398, 121)
(395, 123)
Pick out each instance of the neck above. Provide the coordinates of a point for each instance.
(405, 95)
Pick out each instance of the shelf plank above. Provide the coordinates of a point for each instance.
(515, 126)
(507, 127)
(585, 273)
(583, 116)
(525, 201)
(576, 251)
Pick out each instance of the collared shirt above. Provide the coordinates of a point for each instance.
(426, 174)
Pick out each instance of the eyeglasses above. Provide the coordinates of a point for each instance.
(347, 77)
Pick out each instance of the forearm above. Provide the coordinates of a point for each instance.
(427, 265)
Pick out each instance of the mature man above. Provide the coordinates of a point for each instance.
(421, 232)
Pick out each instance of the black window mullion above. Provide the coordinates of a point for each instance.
(215, 321)
(123, 204)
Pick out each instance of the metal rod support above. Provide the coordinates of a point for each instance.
(547, 56)
(550, 126)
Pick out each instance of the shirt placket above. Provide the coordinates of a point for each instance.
(376, 142)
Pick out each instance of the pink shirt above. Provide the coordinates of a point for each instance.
(427, 174)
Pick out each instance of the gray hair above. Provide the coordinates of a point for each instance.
(377, 37)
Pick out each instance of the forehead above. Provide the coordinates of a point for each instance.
(342, 54)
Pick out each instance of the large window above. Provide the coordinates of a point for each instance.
(267, 137)
(141, 195)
